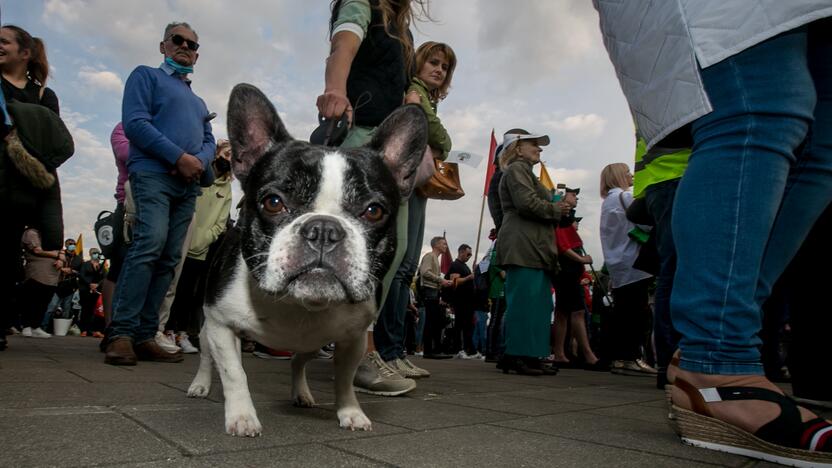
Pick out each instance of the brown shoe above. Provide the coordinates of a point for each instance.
(150, 351)
(119, 352)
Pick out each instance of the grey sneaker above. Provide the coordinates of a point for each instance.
(375, 377)
(406, 369)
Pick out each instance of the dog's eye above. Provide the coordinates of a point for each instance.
(272, 204)
(373, 213)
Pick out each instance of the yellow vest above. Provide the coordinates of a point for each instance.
(658, 165)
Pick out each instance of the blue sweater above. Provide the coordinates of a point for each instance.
(163, 118)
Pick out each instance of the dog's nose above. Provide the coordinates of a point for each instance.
(322, 232)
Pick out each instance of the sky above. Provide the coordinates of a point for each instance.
(533, 64)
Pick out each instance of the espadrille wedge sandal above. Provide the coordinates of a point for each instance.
(785, 440)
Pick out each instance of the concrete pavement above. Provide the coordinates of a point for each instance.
(60, 405)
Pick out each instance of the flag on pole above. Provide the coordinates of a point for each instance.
(79, 246)
(465, 157)
(489, 171)
(445, 260)
(544, 177)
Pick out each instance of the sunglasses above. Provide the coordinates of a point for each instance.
(179, 40)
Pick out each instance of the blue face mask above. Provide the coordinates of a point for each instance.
(71, 248)
(95, 256)
(181, 69)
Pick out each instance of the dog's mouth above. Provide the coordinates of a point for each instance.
(318, 286)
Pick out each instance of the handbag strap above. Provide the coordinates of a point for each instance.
(621, 200)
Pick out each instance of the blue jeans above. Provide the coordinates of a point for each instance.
(164, 208)
(660, 204)
(759, 176)
(480, 337)
(389, 331)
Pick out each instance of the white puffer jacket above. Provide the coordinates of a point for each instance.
(657, 47)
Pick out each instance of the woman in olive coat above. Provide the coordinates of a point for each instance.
(526, 250)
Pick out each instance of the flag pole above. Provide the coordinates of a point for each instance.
(489, 171)
(479, 231)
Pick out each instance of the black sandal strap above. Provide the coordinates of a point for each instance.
(787, 429)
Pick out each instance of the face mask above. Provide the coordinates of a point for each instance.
(71, 248)
(95, 256)
(223, 165)
(181, 69)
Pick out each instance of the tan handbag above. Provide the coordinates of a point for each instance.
(444, 185)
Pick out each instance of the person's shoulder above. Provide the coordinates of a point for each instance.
(144, 71)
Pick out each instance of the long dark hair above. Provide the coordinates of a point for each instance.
(397, 16)
(38, 66)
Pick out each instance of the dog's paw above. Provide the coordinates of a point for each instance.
(304, 400)
(243, 425)
(354, 419)
(198, 390)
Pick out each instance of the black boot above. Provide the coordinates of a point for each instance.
(517, 364)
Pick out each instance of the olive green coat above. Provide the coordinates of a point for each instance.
(527, 235)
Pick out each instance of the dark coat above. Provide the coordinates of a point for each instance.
(527, 236)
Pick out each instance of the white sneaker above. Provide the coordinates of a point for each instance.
(462, 355)
(183, 342)
(165, 343)
(408, 369)
(74, 330)
(14, 331)
(39, 333)
(478, 356)
(376, 377)
(27, 332)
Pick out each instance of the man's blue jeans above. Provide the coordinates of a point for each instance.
(759, 176)
(164, 208)
(389, 331)
(659, 199)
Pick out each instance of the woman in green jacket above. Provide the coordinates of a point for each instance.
(526, 250)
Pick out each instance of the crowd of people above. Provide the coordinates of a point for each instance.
(730, 188)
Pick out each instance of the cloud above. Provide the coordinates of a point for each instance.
(581, 125)
(101, 80)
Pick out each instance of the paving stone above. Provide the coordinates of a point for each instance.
(592, 396)
(29, 395)
(509, 404)
(485, 445)
(422, 415)
(282, 423)
(44, 439)
(312, 455)
(648, 437)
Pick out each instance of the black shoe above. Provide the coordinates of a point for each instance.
(2, 342)
(661, 379)
(517, 364)
(437, 356)
(599, 366)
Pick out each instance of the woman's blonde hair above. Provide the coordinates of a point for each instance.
(510, 154)
(614, 175)
(423, 54)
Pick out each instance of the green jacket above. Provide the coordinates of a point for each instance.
(438, 137)
(213, 207)
(527, 236)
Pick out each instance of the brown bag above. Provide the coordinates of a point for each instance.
(444, 185)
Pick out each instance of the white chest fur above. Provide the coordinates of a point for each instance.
(282, 324)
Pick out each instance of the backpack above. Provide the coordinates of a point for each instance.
(105, 230)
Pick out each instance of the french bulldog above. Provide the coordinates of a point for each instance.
(303, 266)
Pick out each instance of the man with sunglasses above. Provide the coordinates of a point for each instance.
(171, 144)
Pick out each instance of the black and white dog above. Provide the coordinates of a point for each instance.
(303, 266)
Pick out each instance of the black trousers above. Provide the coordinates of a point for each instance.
(630, 322)
(34, 299)
(186, 310)
(434, 321)
(463, 338)
(496, 344)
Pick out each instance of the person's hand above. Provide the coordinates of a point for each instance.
(189, 167)
(412, 98)
(333, 103)
(563, 207)
(587, 259)
(446, 283)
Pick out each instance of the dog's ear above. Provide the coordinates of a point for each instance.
(253, 128)
(401, 139)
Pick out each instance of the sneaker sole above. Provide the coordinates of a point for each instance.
(384, 392)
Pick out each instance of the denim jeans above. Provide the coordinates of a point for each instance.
(389, 331)
(480, 331)
(660, 204)
(164, 208)
(759, 176)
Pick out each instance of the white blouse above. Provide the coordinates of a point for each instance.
(619, 250)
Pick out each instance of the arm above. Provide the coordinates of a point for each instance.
(334, 102)
(520, 182)
(50, 100)
(438, 137)
(426, 272)
(120, 144)
(136, 118)
(572, 255)
(205, 237)
(208, 151)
